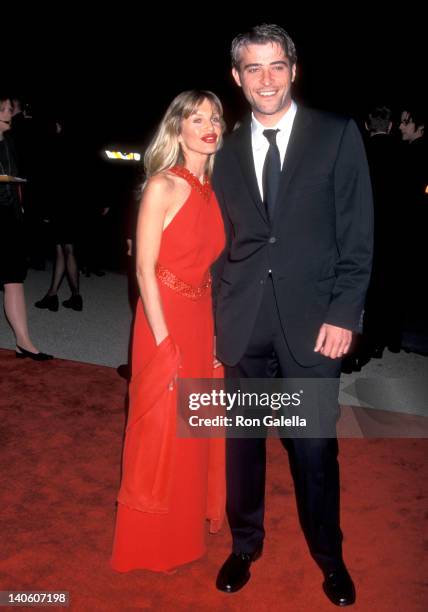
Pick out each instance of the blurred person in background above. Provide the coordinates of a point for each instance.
(13, 264)
(30, 133)
(413, 174)
(382, 322)
(63, 213)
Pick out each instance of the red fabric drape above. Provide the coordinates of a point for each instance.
(148, 450)
(150, 432)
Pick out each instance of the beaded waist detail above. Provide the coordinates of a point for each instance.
(170, 280)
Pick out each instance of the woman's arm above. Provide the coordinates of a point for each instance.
(157, 199)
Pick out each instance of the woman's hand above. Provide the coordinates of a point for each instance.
(216, 362)
(161, 337)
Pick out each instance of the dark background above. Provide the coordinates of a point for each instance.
(112, 75)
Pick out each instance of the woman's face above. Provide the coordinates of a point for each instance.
(201, 131)
(5, 115)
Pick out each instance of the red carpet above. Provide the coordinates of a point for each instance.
(60, 442)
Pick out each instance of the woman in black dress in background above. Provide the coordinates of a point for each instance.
(13, 267)
(63, 216)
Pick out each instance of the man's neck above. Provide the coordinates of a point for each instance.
(271, 120)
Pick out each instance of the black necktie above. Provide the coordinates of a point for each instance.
(271, 172)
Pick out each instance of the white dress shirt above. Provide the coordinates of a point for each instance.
(260, 143)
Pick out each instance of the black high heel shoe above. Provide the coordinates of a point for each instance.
(75, 302)
(49, 301)
(22, 354)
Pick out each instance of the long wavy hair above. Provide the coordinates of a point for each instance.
(165, 151)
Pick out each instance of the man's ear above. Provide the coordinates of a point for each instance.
(236, 76)
(293, 72)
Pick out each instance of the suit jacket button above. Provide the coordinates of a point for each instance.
(272, 240)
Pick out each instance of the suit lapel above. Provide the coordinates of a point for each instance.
(244, 151)
(299, 140)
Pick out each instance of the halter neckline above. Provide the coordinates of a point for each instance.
(203, 188)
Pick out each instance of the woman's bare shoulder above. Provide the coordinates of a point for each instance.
(160, 183)
(159, 190)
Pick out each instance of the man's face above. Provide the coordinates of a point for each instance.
(407, 127)
(265, 75)
(5, 115)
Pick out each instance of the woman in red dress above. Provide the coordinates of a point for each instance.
(171, 485)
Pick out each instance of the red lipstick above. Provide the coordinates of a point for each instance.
(210, 138)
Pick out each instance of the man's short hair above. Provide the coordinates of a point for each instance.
(379, 119)
(261, 35)
(417, 115)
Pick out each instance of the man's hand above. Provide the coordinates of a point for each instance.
(333, 341)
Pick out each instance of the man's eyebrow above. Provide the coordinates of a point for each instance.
(255, 64)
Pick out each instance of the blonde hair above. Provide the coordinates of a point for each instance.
(165, 151)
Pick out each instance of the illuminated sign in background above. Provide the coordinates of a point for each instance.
(123, 156)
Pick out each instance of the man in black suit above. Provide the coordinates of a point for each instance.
(294, 189)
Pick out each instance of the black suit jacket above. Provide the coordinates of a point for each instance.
(318, 246)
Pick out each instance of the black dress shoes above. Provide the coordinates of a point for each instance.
(339, 588)
(354, 363)
(23, 354)
(377, 352)
(235, 572)
(49, 301)
(394, 347)
(75, 302)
